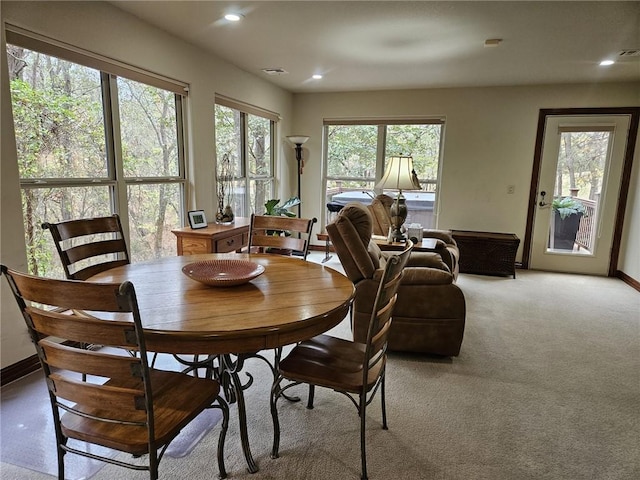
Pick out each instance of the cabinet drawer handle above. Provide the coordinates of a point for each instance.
(231, 242)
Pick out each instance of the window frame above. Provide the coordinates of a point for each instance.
(382, 126)
(246, 178)
(110, 70)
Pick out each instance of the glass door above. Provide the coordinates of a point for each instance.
(582, 160)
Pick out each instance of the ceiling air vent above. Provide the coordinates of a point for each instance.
(630, 53)
(275, 71)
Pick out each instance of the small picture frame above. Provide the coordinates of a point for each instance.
(197, 219)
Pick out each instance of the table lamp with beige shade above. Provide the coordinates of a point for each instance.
(399, 175)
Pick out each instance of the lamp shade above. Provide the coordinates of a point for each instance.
(297, 139)
(399, 175)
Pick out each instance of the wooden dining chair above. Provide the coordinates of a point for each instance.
(89, 246)
(354, 369)
(282, 235)
(127, 406)
(270, 232)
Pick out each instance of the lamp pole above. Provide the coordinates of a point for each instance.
(299, 160)
(298, 140)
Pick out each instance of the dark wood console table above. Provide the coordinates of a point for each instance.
(487, 253)
(213, 238)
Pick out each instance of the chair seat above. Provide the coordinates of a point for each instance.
(177, 399)
(329, 362)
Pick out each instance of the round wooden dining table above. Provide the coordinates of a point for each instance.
(293, 300)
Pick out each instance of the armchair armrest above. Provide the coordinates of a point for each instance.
(446, 247)
(417, 276)
(432, 259)
(444, 235)
(426, 276)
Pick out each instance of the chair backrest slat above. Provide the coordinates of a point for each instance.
(297, 244)
(381, 317)
(90, 245)
(78, 327)
(118, 367)
(268, 231)
(69, 294)
(95, 395)
(87, 250)
(87, 226)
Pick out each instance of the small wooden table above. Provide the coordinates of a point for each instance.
(487, 253)
(426, 245)
(213, 238)
(327, 246)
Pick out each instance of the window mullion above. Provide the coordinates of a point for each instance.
(244, 161)
(381, 149)
(114, 151)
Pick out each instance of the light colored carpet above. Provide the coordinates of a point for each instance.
(547, 386)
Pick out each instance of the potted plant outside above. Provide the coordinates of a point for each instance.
(272, 207)
(567, 212)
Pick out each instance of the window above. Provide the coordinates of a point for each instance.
(244, 140)
(91, 143)
(356, 154)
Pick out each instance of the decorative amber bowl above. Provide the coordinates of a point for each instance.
(223, 273)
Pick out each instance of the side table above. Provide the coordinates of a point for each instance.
(213, 238)
(487, 253)
(327, 246)
(426, 245)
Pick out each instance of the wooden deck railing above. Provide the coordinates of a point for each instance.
(588, 223)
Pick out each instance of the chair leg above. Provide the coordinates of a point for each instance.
(312, 390)
(153, 464)
(60, 463)
(384, 404)
(224, 406)
(275, 393)
(363, 451)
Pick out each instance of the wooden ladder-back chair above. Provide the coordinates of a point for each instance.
(89, 246)
(129, 407)
(283, 235)
(268, 232)
(354, 369)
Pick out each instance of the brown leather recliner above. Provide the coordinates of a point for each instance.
(429, 316)
(446, 246)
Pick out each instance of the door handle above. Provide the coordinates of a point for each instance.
(542, 203)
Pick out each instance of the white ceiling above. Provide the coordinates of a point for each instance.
(371, 45)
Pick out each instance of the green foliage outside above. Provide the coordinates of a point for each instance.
(252, 180)
(352, 151)
(581, 163)
(61, 139)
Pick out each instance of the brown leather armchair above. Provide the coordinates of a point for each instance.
(446, 246)
(429, 316)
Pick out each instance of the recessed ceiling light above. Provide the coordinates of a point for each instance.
(233, 17)
(606, 63)
(317, 76)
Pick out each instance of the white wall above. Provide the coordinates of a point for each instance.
(489, 143)
(101, 28)
(629, 261)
